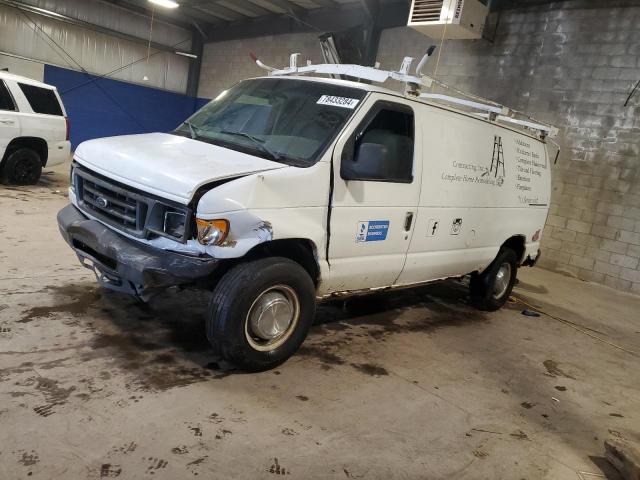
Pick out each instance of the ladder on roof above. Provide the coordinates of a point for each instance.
(480, 107)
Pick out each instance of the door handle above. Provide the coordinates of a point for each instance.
(408, 220)
(4, 121)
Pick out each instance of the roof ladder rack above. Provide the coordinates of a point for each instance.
(496, 113)
(371, 74)
(413, 85)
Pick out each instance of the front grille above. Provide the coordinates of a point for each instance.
(132, 211)
(426, 10)
(115, 204)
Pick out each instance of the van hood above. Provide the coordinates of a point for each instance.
(169, 166)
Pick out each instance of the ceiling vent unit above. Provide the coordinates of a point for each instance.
(454, 19)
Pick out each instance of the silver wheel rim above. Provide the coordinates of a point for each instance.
(501, 282)
(272, 318)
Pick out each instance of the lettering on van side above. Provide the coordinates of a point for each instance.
(334, 101)
(529, 167)
(492, 173)
(372, 230)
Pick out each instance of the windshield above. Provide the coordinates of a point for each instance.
(284, 120)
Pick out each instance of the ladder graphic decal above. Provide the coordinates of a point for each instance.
(497, 159)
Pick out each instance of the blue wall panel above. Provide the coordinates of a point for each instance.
(102, 107)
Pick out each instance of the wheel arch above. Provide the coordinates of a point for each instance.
(301, 250)
(37, 144)
(517, 244)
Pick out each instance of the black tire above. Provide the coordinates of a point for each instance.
(22, 167)
(228, 325)
(487, 291)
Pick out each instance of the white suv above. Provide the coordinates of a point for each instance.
(34, 129)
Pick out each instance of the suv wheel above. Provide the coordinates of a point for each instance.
(260, 313)
(22, 167)
(490, 290)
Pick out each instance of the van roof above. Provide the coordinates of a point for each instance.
(29, 81)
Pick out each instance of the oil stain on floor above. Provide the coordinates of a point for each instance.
(161, 345)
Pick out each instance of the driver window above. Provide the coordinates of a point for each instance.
(382, 148)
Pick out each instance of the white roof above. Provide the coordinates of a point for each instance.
(29, 81)
(343, 83)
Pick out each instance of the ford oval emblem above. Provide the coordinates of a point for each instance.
(102, 202)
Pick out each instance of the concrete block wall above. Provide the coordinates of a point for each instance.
(225, 63)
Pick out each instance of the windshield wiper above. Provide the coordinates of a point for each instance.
(192, 129)
(257, 141)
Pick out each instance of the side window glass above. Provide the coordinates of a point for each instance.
(6, 100)
(382, 149)
(42, 100)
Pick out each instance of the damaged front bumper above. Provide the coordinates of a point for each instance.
(125, 265)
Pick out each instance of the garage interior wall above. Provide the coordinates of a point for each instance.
(115, 107)
(572, 64)
(23, 67)
(97, 52)
(108, 106)
(225, 63)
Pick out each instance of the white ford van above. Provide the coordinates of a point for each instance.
(288, 189)
(34, 129)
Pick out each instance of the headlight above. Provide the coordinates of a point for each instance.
(212, 232)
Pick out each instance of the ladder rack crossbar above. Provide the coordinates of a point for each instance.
(552, 131)
(357, 71)
(467, 103)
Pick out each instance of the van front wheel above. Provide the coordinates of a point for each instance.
(490, 289)
(260, 313)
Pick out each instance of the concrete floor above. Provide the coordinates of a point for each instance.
(412, 384)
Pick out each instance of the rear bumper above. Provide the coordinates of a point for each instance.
(126, 265)
(531, 261)
(59, 152)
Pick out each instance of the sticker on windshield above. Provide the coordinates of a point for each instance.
(343, 102)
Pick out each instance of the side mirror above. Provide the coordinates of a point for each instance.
(369, 163)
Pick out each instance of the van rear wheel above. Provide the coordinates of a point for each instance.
(260, 313)
(22, 167)
(490, 289)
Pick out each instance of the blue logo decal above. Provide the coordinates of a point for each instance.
(372, 231)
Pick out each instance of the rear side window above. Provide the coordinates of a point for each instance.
(42, 100)
(6, 101)
(382, 148)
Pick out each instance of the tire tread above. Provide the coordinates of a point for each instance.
(480, 284)
(219, 324)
